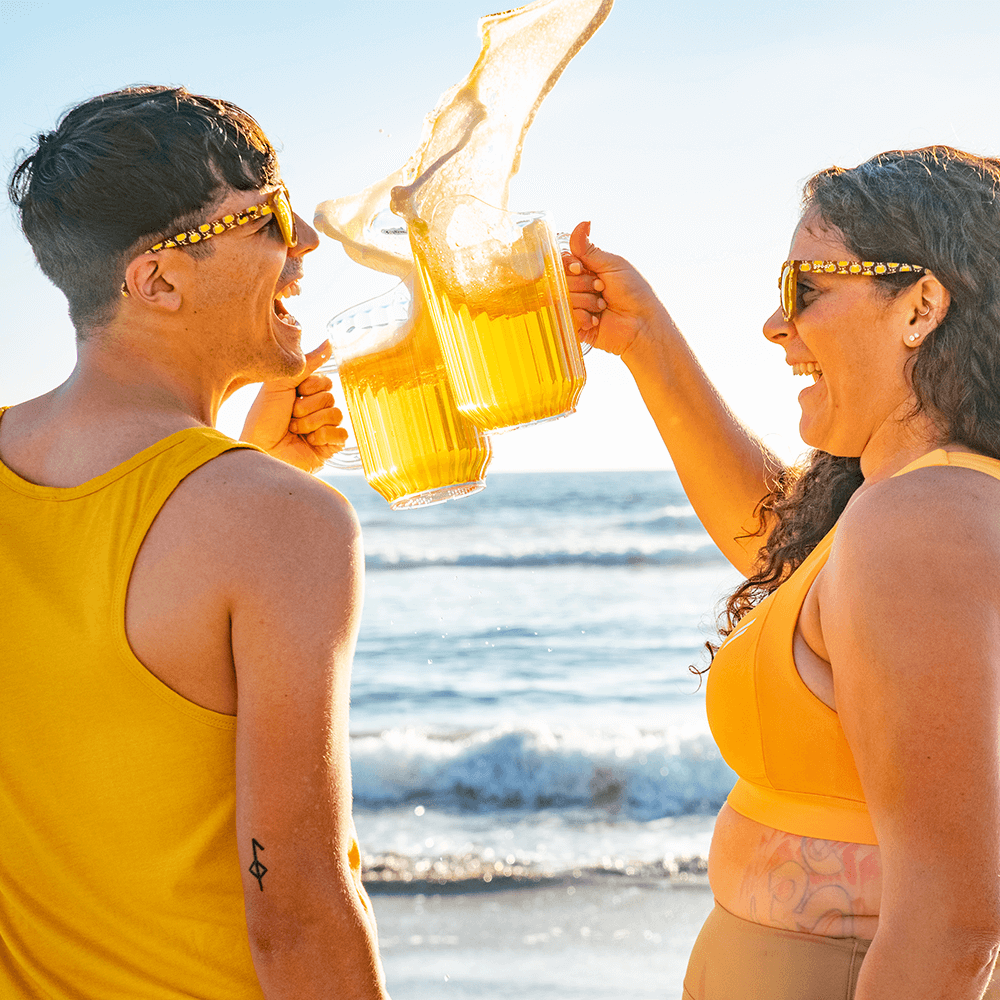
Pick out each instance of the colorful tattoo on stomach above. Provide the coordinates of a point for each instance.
(816, 886)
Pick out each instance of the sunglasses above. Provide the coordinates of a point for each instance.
(277, 204)
(789, 280)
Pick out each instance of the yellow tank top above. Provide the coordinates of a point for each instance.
(795, 767)
(118, 869)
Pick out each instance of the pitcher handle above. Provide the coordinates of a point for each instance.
(562, 241)
(348, 458)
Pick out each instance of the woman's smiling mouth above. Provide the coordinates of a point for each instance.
(807, 368)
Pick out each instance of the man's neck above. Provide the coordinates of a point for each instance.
(117, 401)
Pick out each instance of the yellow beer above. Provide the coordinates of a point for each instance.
(416, 448)
(507, 337)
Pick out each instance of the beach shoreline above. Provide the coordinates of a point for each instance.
(400, 874)
(593, 938)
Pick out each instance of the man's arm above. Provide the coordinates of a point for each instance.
(294, 614)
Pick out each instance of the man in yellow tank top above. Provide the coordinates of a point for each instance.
(179, 610)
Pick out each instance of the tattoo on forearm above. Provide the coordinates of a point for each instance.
(257, 869)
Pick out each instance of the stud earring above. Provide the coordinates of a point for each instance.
(913, 338)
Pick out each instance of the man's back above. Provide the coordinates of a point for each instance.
(120, 875)
(137, 597)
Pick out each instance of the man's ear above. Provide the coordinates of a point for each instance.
(150, 279)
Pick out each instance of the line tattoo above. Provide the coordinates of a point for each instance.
(257, 869)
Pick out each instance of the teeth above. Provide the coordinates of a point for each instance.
(809, 368)
(284, 315)
(289, 290)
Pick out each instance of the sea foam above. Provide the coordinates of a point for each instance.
(644, 775)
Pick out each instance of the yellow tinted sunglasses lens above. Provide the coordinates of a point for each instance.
(788, 285)
(283, 213)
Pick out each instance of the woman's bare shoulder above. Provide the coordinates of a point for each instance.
(941, 507)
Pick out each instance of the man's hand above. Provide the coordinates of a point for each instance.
(294, 419)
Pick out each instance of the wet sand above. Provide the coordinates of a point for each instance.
(597, 940)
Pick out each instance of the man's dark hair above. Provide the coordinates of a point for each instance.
(123, 170)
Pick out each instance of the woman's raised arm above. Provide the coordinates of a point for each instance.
(725, 469)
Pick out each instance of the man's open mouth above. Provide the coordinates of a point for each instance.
(279, 307)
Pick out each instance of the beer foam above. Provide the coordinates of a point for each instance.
(471, 141)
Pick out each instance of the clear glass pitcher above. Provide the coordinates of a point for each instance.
(496, 291)
(414, 446)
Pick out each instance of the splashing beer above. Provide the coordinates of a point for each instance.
(471, 142)
(502, 317)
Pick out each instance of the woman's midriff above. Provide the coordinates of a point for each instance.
(778, 879)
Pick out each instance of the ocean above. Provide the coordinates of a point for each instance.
(523, 707)
(524, 719)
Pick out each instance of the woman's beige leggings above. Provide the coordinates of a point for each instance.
(734, 959)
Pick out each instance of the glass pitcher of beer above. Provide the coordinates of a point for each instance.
(413, 445)
(496, 291)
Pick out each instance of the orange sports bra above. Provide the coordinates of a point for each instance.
(794, 765)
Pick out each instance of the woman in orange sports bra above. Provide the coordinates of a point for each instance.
(857, 691)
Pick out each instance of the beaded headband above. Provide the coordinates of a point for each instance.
(209, 229)
(866, 267)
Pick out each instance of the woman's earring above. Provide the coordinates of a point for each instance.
(913, 338)
(924, 312)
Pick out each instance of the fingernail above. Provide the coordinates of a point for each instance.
(576, 267)
(601, 304)
(594, 320)
(598, 285)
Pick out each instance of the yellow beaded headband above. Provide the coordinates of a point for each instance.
(788, 282)
(278, 203)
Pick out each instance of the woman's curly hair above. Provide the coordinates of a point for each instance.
(938, 207)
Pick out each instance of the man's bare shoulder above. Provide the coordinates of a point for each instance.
(247, 499)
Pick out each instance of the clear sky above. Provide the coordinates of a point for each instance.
(684, 131)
